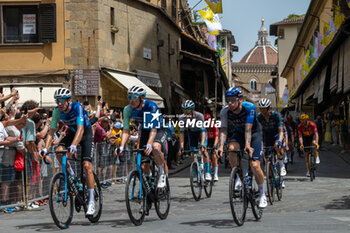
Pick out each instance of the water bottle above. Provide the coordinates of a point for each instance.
(79, 185)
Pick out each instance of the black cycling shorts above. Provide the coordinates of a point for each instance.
(160, 138)
(307, 141)
(86, 143)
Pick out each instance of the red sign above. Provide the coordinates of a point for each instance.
(86, 82)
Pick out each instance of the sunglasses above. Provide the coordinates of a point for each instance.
(264, 109)
(232, 99)
(62, 101)
(132, 97)
(187, 110)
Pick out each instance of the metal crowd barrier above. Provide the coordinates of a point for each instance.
(21, 189)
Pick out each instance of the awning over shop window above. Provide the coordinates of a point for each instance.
(45, 100)
(346, 65)
(321, 88)
(334, 74)
(149, 78)
(128, 80)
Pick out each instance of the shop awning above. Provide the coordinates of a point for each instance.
(149, 78)
(45, 99)
(127, 80)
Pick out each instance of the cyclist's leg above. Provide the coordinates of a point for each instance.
(256, 144)
(160, 150)
(233, 156)
(63, 145)
(315, 149)
(86, 155)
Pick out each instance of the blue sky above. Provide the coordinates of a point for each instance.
(243, 18)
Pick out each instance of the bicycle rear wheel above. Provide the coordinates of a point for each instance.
(162, 204)
(312, 165)
(97, 198)
(61, 210)
(134, 198)
(257, 212)
(196, 183)
(238, 199)
(270, 182)
(278, 182)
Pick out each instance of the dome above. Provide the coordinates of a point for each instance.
(263, 52)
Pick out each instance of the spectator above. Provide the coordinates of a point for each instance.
(344, 136)
(8, 161)
(116, 139)
(319, 124)
(32, 156)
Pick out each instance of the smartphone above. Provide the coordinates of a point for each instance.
(103, 104)
(25, 110)
(11, 86)
(99, 98)
(1, 90)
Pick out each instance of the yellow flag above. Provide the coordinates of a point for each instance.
(215, 5)
(206, 13)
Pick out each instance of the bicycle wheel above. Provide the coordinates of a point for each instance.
(196, 183)
(312, 164)
(270, 182)
(238, 200)
(61, 210)
(208, 186)
(257, 212)
(278, 182)
(98, 200)
(134, 198)
(162, 203)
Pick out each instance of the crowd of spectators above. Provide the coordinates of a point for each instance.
(23, 132)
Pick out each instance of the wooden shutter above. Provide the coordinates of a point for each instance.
(47, 23)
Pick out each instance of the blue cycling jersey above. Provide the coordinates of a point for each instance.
(76, 116)
(132, 113)
(236, 122)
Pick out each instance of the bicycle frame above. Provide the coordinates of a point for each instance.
(271, 156)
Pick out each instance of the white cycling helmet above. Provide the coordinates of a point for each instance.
(188, 104)
(137, 90)
(264, 103)
(63, 93)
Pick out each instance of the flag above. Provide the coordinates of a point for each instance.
(211, 40)
(206, 13)
(215, 5)
(214, 26)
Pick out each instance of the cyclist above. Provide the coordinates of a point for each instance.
(239, 117)
(272, 125)
(196, 136)
(153, 139)
(213, 141)
(308, 136)
(80, 132)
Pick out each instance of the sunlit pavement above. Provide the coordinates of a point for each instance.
(319, 206)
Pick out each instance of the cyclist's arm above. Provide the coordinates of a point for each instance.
(125, 137)
(223, 136)
(301, 140)
(316, 138)
(152, 136)
(49, 138)
(78, 135)
(280, 133)
(248, 134)
(182, 137)
(203, 138)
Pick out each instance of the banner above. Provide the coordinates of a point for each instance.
(211, 20)
(211, 40)
(215, 5)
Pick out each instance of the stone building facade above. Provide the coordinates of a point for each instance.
(253, 72)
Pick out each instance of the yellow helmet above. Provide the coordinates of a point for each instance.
(304, 117)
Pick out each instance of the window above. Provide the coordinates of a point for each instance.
(253, 85)
(28, 24)
(164, 4)
(112, 15)
(280, 33)
(173, 9)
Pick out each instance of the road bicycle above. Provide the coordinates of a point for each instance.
(247, 192)
(141, 191)
(67, 192)
(197, 179)
(312, 161)
(274, 179)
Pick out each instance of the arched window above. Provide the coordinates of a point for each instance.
(253, 84)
